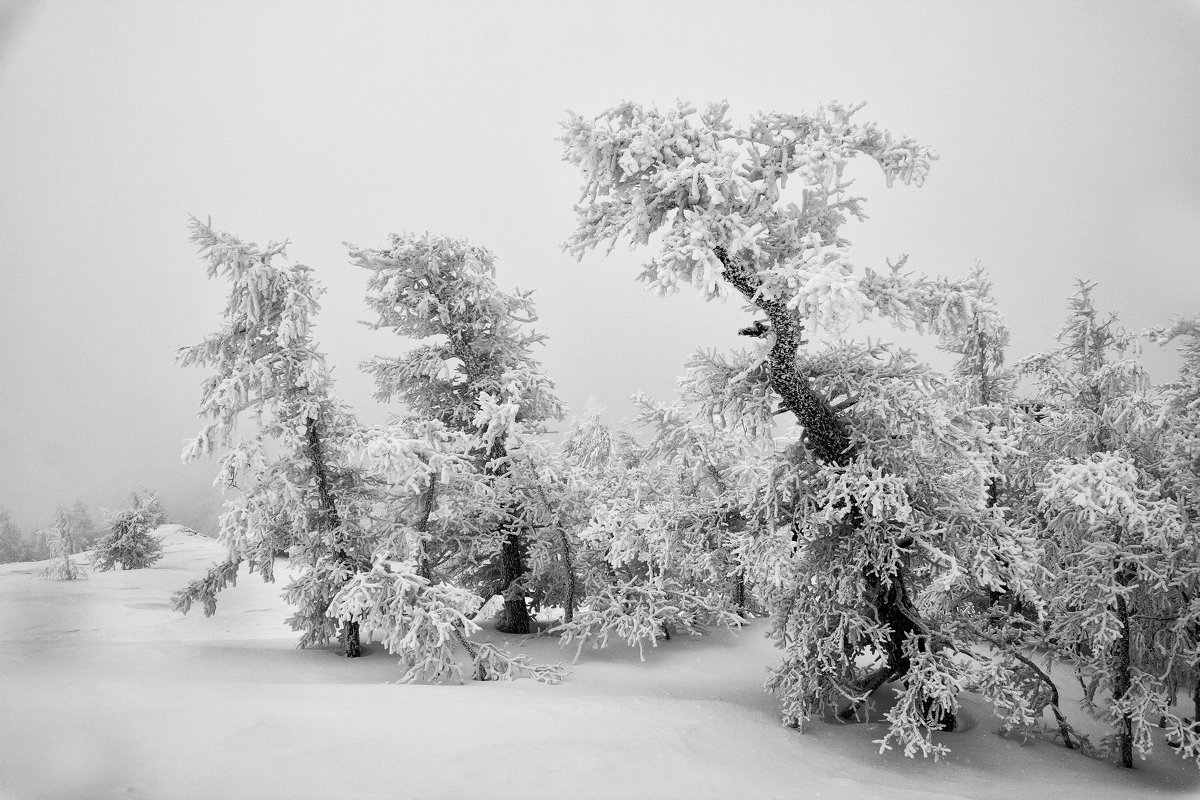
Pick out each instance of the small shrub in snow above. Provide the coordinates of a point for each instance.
(61, 536)
(130, 541)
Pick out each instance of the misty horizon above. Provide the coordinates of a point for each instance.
(1066, 133)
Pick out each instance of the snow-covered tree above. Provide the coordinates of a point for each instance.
(474, 373)
(12, 543)
(875, 525)
(62, 542)
(1120, 550)
(1179, 424)
(423, 619)
(86, 530)
(130, 540)
(656, 551)
(980, 347)
(298, 490)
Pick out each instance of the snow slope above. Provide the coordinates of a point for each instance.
(105, 693)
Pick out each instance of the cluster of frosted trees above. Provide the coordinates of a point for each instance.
(906, 531)
(130, 541)
(47, 542)
(127, 539)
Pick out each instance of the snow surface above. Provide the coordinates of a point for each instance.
(105, 693)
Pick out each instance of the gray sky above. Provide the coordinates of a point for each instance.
(1068, 134)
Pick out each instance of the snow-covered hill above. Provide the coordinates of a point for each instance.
(105, 693)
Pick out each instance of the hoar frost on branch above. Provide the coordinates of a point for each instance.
(659, 550)
(297, 488)
(351, 506)
(865, 546)
(62, 537)
(472, 374)
(1104, 479)
(130, 541)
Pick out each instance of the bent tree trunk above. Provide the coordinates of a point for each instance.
(826, 436)
(333, 522)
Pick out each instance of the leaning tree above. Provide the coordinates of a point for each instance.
(297, 489)
(882, 502)
(63, 542)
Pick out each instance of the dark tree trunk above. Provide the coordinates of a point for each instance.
(739, 590)
(569, 566)
(1123, 678)
(824, 432)
(425, 505)
(826, 437)
(333, 522)
(515, 616)
(351, 641)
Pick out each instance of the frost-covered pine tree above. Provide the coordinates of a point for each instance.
(403, 601)
(551, 502)
(297, 488)
(86, 531)
(61, 537)
(1121, 552)
(12, 543)
(656, 553)
(130, 540)
(980, 347)
(1179, 424)
(473, 372)
(595, 467)
(1008, 622)
(875, 525)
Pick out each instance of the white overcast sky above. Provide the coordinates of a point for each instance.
(1069, 137)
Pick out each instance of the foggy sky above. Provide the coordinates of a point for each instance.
(1068, 135)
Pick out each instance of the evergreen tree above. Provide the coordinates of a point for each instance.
(660, 548)
(86, 530)
(1179, 426)
(61, 538)
(1120, 551)
(424, 617)
(298, 490)
(12, 543)
(475, 374)
(874, 527)
(130, 540)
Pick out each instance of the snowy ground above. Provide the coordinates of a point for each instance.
(104, 692)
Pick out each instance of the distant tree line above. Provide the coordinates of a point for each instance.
(125, 540)
(38, 544)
